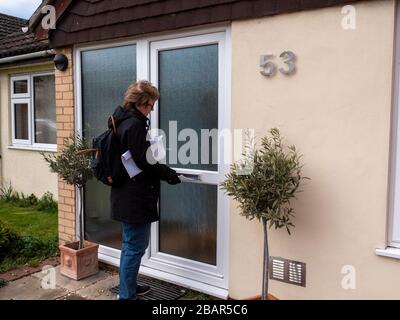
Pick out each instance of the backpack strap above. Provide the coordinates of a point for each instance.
(113, 124)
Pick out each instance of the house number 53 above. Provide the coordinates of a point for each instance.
(268, 68)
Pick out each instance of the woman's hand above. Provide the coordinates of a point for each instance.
(173, 179)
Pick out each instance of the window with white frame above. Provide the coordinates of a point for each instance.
(33, 111)
(394, 174)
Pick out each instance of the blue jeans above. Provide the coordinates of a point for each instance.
(135, 239)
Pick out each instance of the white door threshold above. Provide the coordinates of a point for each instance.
(184, 282)
(165, 276)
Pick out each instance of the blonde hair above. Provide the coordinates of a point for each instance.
(140, 93)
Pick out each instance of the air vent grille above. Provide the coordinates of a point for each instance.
(289, 271)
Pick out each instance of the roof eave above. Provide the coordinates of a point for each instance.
(43, 53)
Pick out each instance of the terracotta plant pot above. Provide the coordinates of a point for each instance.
(78, 264)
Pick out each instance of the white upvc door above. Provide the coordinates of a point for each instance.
(203, 57)
(190, 243)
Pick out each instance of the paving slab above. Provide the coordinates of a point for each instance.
(100, 290)
(73, 285)
(29, 288)
(71, 296)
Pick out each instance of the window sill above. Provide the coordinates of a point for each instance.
(389, 252)
(31, 148)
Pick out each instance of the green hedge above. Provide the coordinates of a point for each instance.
(7, 238)
(17, 250)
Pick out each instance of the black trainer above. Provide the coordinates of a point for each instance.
(142, 290)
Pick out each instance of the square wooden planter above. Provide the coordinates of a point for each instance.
(79, 264)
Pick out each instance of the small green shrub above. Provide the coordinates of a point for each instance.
(14, 198)
(265, 192)
(7, 192)
(7, 238)
(73, 165)
(47, 203)
(26, 201)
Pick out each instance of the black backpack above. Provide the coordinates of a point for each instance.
(106, 165)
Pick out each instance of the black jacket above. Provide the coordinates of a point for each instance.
(136, 201)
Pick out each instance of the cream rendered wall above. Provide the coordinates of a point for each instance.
(26, 170)
(336, 110)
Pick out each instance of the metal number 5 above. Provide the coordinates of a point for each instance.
(290, 59)
(268, 68)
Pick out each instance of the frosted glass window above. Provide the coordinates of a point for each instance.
(21, 124)
(188, 83)
(45, 109)
(188, 221)
(106, 74)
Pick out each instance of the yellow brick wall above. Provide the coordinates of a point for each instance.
(65, 126)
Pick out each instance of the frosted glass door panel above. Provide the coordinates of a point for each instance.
(106, 74)
(188, 82)
(188, 221)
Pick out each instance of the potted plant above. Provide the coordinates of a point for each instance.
(78, 259)
(265, 191)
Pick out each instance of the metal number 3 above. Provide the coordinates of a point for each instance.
(290, 59)
(268, 68)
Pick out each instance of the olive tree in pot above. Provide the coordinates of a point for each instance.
(73, 164)
(265, 191)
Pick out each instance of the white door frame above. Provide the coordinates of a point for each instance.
(393, 221)
(215, 281)
(201, 272)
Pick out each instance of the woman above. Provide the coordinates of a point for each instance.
(135, 203)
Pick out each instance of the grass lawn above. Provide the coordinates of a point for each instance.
(29, 221)
(39, 229)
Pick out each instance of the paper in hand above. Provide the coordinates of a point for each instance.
(131, 168)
